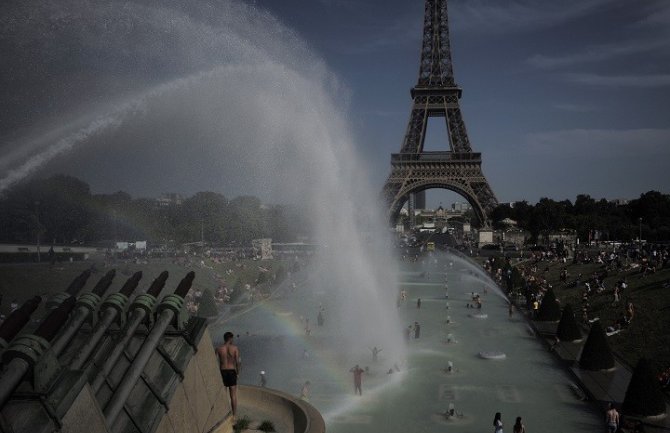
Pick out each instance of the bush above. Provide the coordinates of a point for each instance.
(262, 277)
(280, 274)
(550, 311)
(241, 424)
(238, 286)
(644, 396)
(266, 426)
(207, 306)
(596, 354)
(568, 329)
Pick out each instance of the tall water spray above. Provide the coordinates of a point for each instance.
(216, 96)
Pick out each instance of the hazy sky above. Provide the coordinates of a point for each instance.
(560, 98)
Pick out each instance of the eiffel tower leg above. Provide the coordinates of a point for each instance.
(485, 198)
(412, 210)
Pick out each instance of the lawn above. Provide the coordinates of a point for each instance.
(22, 281)
(648, 334)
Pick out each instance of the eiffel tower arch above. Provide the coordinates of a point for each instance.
(458, 169)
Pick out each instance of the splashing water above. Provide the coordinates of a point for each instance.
(214, 96)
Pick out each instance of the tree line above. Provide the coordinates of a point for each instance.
(61, 209)
(591, 218)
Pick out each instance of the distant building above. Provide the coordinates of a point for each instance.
(442, 219)
(460, 207)
(262, 248)
(420, 200)
(509, 222)
(126, 246)
(514, 236)
(169, 199)
(293, 249)
(567, 236)
(620, 201)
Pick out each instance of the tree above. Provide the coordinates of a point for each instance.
(63, 207)
(568, 329)
(203, 215)
(550, 310)
(207, 306)
(500, 213)
(262, 277)
(247, 220)
(596, 353)
(280, 274)
(53, 208)
(522, 213)
(549, 215)
(644, 396)
(238, 286)
(654, 209)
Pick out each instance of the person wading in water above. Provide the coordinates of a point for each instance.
(358, 373)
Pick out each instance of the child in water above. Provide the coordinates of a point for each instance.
(304, 392)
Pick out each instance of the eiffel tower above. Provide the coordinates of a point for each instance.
(436, 95)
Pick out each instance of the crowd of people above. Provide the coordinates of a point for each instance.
(623, 261)
(610, 281)
(607, 287)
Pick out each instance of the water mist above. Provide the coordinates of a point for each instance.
(214, 96)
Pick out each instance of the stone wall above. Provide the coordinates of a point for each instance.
(200, 403)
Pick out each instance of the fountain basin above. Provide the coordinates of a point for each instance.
(287, 412)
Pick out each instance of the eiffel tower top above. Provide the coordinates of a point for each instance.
(458, 169)
(436, 71)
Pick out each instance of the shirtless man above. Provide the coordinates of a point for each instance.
(375, 353)
(229, 363)
(358, 373)
(612, 419)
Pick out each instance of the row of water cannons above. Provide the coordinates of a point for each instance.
(34, 356)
